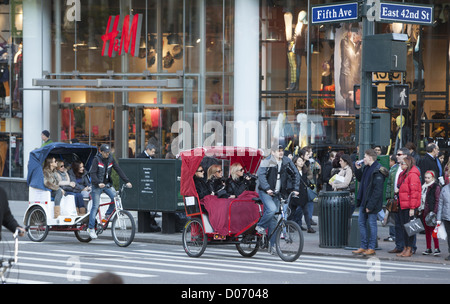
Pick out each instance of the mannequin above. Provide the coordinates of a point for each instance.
(300, 37)
(413, 31)
(290, 51)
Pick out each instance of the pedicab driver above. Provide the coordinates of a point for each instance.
(276, 174)
(101, 169)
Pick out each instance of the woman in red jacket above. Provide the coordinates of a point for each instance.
(409, 197)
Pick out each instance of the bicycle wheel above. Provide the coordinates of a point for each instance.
(289, 241)
(248, 246)
(194, 238)
(37, 222)
(82, 235)
(123, 228)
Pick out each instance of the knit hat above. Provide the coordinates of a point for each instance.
(46, 133)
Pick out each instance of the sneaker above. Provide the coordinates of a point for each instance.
(260, 230)
(437, 252)
(272, 250)
(427, 252)
(92, 233)
(389, 239)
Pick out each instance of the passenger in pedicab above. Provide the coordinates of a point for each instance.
(51, 182)
(239, 181)
(216, 181)
(202, 187)
(80, 177)
(69, 186)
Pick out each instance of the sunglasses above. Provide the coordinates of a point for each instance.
(200, 171)
(399, 154)
(219, 171)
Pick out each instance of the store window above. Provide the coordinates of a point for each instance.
(188, 41)
(309, 75)
(11, 83)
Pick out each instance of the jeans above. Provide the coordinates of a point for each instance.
(57, 194)
(297, 214)
(399, 242)
(368, 234)
(271, 206)
(111, 192)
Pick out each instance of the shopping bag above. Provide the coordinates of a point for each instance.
(414, 226)
(441, 233)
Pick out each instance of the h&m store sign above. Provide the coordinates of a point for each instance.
(122, 36)
(123, 33)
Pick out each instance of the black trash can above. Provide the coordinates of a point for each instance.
(334, 218)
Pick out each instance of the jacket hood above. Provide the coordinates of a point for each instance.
(414, 170)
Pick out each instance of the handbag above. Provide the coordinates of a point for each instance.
(312, 195)
(392, 205)
(414, 226)
(430, 219)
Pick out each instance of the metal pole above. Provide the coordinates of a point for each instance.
(365, 121)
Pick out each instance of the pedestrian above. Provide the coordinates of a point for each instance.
(430, 203)
(345, 174)
(390, 196)
(6, 218)
(101, 170)
(409, 198)
(430, 161)
(326, 172)
(443, 214)
(149, 152)
(45, 136)
(273, 175)
(299, 204)
(369, 200)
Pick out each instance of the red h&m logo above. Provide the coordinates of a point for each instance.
(122, 42)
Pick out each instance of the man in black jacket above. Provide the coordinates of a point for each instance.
(273, 174)
(369, 200)
(101, 169)
(6, 217)
(149, 152)
(429, 162)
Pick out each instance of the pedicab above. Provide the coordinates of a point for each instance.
(219, 221)
(39, 216)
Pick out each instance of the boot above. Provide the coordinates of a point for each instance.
(408, 252)
(57, 211)
(401, 253)
(81, 211)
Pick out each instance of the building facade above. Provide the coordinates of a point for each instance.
(184, 73)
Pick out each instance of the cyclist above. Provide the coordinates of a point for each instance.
(276, 175)
(101, 169)
(6, 217)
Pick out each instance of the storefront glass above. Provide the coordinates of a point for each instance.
(309, 73)
(190, 38)
(11, 83)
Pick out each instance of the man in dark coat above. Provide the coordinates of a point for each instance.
(149, 152)
(429, 162)
(369, 200)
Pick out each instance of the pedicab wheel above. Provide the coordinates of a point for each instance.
(37, 222)
(248, 246)
(82, 235)
(289, 241)
(194, 238)
(123, 228)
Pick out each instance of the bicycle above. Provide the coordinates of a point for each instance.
(288, 235)
(8, 263)
(123, 226)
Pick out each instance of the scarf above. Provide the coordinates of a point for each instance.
(424, 195)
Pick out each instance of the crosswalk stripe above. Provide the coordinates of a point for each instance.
(46, 274)
(128, 274)
(216, 263)
(116, 265)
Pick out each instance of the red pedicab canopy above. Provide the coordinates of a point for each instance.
(249, 158)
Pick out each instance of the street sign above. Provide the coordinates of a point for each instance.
(340, 12)
(405, 13)
(397, 96)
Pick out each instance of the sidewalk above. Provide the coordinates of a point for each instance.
(311, 244)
